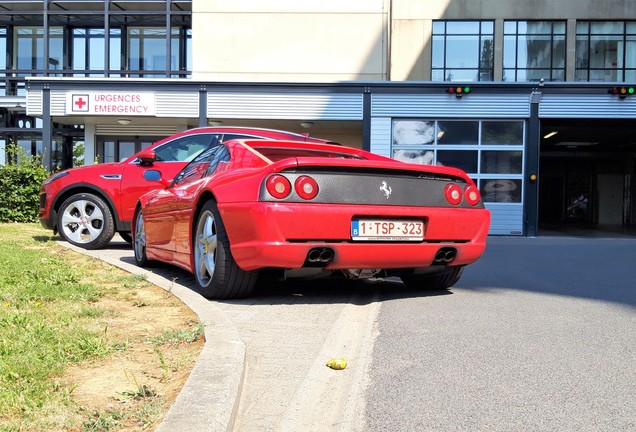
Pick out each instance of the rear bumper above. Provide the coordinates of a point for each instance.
(281, 235)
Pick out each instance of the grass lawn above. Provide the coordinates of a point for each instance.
(83, 345)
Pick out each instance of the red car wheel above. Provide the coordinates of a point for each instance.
(215, 270)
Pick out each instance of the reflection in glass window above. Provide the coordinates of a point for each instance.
(534, 50)
(501, 162)
(29, 48)
(408, 132)
(424, 157)
(605, 51)
(462, 51)
(463, 159)
(502, 132)
(3, 65)
(147, 50)
(458, 132)
(88, 51)
(501, 190)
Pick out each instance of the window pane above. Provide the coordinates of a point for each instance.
(425, 157)
(462, 51)
(115, 49)
(603, 52)
(582, 27)
(458, 132)
(558, 52)
(605, 75)
(502, 132)
(501, 190)
(500, 162)
(487, 59)
(438, 52)
(487, 27)
(438, 27)
(463, 159)
(410, 132)
(582, 52)
(510, 52)
(581, 75)
(56, 50)
(606, 27)
(126, 149)
(3, 48)
(510, 27)
(534, 51)
(630, 52)
(510, 75)
(461, 75)
(559, 27)
(462, 27)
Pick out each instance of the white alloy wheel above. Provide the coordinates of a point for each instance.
(86, 221)
(139, 240)
(205, 248)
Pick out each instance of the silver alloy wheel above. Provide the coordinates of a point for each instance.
(205, 248)
(139, 244)
(82, 221)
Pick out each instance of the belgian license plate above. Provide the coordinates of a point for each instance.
(387, 230)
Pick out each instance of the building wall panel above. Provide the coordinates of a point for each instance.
(440, 106)
(587, 106)
(177, 104)
(285, 106)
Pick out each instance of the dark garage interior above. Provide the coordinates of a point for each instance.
(586, 179)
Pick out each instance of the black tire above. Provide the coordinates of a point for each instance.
(126, 236)
(215, 271)
(443, 279)
(86, 221)
(139, 240)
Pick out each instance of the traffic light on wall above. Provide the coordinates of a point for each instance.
(459, 91)
(621, 92)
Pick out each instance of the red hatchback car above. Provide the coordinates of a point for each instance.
(252, 208)
(88, 204)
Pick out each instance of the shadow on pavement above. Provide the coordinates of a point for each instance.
(592, 268)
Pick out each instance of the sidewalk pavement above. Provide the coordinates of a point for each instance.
(262, 367)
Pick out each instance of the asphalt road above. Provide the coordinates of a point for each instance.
(537, 336)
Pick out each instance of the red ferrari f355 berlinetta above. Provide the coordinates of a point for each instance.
(246, 209)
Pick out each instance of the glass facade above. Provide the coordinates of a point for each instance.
(490, 151)
(463, 51)
(534, 50)
(148, 38)
(606, 51)
(67, 38)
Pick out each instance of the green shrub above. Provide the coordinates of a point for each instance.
(20, 182)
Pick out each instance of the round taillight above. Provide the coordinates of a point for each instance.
(453, 193)
(306, 187)
(278, 186)
(472, 195)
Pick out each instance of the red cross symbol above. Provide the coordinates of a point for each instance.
(80, 103)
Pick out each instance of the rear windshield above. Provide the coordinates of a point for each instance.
(276, 154)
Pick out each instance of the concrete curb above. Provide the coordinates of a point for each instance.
(208, 401)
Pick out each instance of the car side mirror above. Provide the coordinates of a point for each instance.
(147, 157)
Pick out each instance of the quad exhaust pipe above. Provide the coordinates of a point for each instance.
(319, 257)
(445, 255)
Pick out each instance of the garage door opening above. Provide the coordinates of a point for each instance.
(587, 181)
